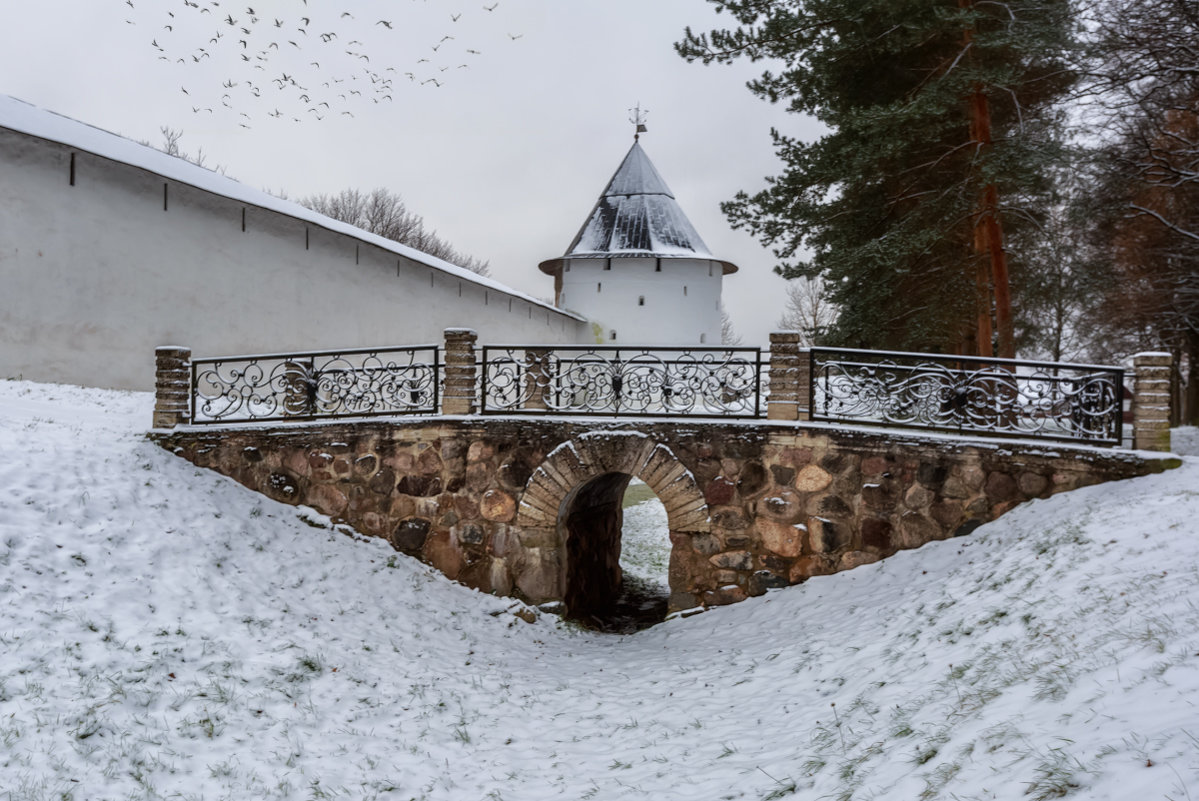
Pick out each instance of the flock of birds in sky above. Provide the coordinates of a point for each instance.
(309, 63)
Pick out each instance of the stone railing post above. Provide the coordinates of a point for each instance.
(1151, 402)
(788, 377)
(172, 386)
(536, 378)
(460, 372)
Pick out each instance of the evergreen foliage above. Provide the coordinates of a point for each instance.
(886, 206)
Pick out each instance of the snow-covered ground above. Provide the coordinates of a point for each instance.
(165, 633)
(645, 541)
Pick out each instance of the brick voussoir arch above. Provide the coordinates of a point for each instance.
(575, 462)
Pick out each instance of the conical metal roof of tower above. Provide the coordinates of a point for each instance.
(636, 216)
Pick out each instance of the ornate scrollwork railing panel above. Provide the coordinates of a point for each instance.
(300, 386)
(968, 394)
(582, 380)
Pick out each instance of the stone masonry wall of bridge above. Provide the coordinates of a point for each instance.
(531, 507)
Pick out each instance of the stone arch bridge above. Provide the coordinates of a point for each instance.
(530, 505)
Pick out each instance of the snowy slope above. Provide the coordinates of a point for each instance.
(165, 633)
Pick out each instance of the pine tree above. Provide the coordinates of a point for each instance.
(941, 131)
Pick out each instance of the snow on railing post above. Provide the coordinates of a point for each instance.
(172, 386)
(1151, 402)
(788, 377)
(460, 371)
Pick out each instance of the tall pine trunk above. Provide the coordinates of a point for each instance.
(992, 278)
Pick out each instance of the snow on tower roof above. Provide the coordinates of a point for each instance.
(636, 216)
(26, 118)
(637, 212)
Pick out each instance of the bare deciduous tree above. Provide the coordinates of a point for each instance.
(728, 334)
(808, 311)
(384, 213)
(1147, 75)
(170, 145)
(1147, 80)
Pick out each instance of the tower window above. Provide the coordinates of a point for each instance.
(607, 264)
(703, 338)
(658, 266)
(566, 269)
(612, 335)
(709, 269)
(641, 300)
(684, 291)
(599, 287)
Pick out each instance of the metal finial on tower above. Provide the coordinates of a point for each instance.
(638, 116)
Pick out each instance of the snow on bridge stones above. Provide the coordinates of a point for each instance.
(531, 507)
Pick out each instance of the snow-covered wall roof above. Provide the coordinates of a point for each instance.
(18, 115)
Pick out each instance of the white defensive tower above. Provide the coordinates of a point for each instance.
(638, 269)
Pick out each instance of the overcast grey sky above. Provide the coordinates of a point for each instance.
(503, 156)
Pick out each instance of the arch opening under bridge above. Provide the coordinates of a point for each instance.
(583, 484)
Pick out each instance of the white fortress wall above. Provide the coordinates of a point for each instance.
(95, 275)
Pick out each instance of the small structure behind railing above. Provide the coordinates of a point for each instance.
(320, 384)
(967, 395)
(961, 394)
(625, 381)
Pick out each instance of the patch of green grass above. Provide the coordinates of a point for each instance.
(637, 493)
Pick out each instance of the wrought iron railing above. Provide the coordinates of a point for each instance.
(967, 394)
(632, 382)
(942, 393)
(322, 384)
